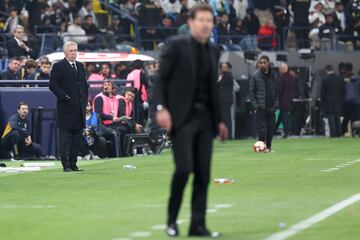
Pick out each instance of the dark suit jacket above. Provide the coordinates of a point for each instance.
(225, 88)
(15, 51)
(65, 81)
(176, 86)
(332, 94)
(287, 91)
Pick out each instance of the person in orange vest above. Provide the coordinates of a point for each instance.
(126, 109)
(141, 90)
(107, 106)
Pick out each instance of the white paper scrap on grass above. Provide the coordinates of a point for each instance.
(19, 169)
(40, 164)
(295, 229)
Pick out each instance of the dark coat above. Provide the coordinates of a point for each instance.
(257, 90)
(65, 81)
(287, 91)
(332, 94)
(226, 88)
(15, 51)
(176, 85)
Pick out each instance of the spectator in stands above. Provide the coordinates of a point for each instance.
(115, 31)
(76, 33)
(6, 5)
(301, 22)
(106, 71)
(352, 34)
(223, 28)
(287, 92)
(93, 33)
(12, 72)
(267, 36)
(219, 7)
(237, 31)
(49, 14)
(16, 137)
(29, 70)
(316, 19)
(339, 15)
(171, 6)
(183, 17)
(86, 10)
(252, 25)
(44, 71)
(282, 19)
(225, 87)
(332, 97)
(167, 29)
(35, 8)
(329, 6)
(149, 16)
(328, 33)
(46, 26)
(16, 46)
(141, 89)
(12, 21)
(240, 7)
(352, 11)
(126, 109)
(96, 75)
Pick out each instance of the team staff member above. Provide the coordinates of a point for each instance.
(188, 108)
(68, 83)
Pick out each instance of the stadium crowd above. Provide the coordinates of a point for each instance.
(240, 24)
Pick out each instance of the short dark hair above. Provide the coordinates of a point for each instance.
(88, 16)
(31, 63)
(45, 62)
(226, 63)
(202, 7)
(329, 68)
(264, 57)
(130, 89)
(349, 66)
(14, 59)
(21, 104)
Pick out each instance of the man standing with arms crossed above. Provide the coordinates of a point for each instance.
(68, 83)
(188, 108)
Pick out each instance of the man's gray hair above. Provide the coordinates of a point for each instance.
(18, 27)
(68, 44)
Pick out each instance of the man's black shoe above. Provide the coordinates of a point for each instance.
(67, 170)
(203, 232)
(172, 230)
(76, 170)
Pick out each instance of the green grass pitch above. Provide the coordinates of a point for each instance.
(271, 192)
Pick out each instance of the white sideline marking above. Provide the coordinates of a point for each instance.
(315, 219)
(120, 239)
(223, 206)
(337, 167)
(211, 210)
(140, 234)
(27, 206)
(158, 227)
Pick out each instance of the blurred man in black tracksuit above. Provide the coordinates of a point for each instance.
(263, 93)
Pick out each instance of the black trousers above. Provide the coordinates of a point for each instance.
(15, 140)
(265, 123)
(334, 124)
(192, 148)
(225, 110)
(284, 118)
(69, 140)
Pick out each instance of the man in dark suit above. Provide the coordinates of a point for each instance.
(225, 86)
(16, 46)
(287, 92)
(68, 83)
(188, 108)
(12, 71)
(332, 98)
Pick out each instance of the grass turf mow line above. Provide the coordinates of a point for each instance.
(293, 230)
